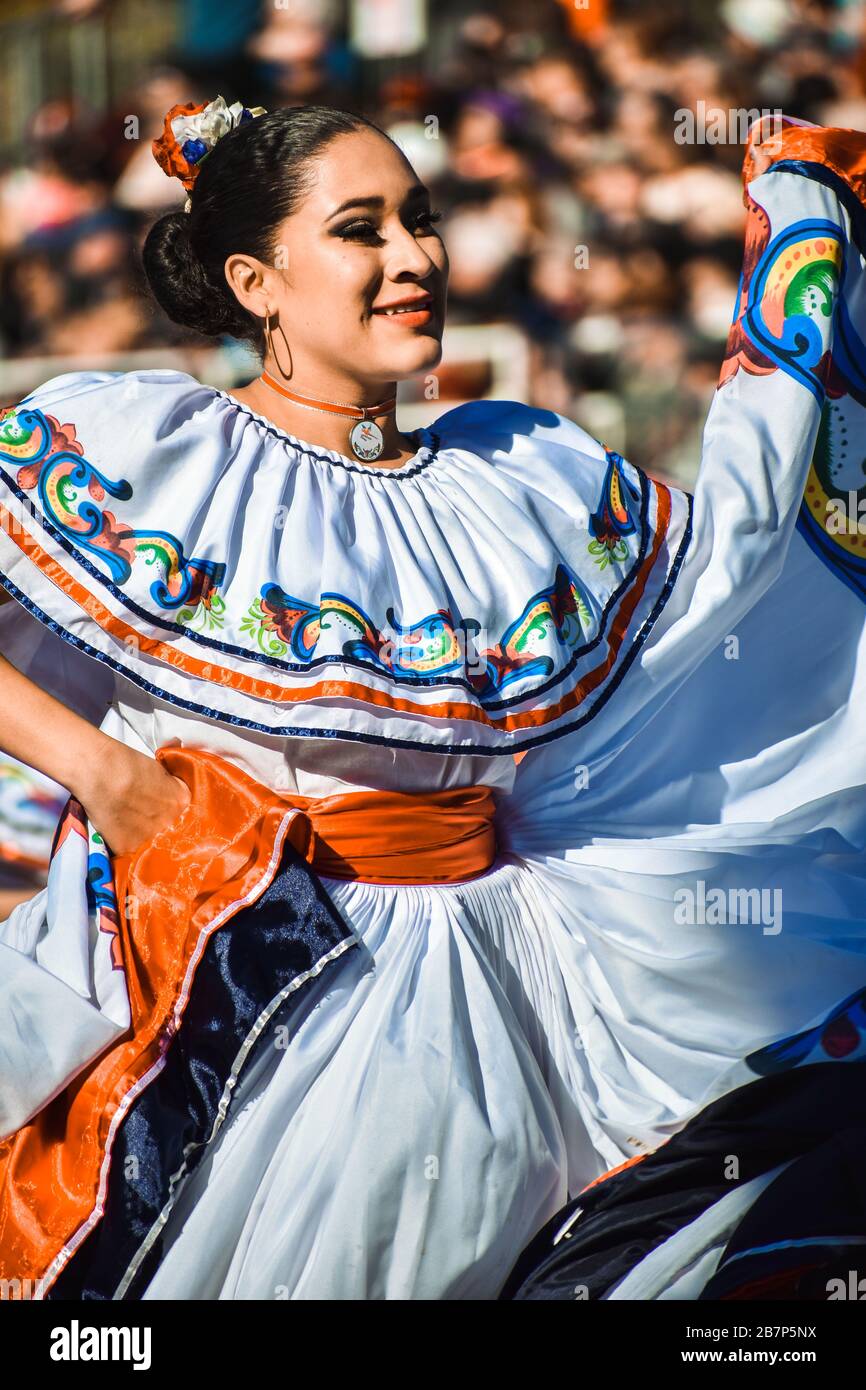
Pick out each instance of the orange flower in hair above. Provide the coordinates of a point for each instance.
(191, 132)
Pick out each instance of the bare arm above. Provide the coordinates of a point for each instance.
(127, 795)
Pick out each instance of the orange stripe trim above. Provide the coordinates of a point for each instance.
(249, 685)
(190, 879)
(602, 1177)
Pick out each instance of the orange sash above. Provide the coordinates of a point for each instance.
(219, 855)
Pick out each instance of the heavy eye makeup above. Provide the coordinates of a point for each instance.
(362, 229)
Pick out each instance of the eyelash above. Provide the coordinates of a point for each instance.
(355, 229)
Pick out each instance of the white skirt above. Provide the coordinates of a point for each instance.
(489, 1050)
(408, 1137)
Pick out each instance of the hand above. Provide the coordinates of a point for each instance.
(130, 798)
(766, 144)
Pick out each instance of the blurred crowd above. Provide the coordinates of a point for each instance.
(547, 135)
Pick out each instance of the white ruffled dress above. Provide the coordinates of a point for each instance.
(680, 876)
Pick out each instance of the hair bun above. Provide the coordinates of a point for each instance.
(251, 172)
(179, 281)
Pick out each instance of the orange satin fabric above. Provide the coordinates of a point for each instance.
(371, 836)
(396, 837)
(837, 147)
(192, 877)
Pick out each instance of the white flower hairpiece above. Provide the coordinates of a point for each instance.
(191, 132)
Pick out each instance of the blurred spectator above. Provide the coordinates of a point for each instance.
(548, 135)
(213, 41)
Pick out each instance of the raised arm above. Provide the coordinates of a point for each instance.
(791, 376)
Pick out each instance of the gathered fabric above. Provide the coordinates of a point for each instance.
(395, 837)
(528, 802)
(216, 859)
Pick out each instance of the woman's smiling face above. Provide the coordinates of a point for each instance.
(361, 238)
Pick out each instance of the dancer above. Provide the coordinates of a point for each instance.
(468, 806)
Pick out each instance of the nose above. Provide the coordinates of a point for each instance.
(408, 256)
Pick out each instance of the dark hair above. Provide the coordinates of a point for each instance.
(252, 180)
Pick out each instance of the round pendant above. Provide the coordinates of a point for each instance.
(366, 439)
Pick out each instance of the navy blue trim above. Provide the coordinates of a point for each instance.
(295, 731)
(327, 456)
(368, 667)
(753, 314)
(244, 966)
(840, 564)
(820, 173)
(805, 523)
(650, 621)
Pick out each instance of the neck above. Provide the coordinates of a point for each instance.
(327, 429)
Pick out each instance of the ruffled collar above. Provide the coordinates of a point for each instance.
(487, 596)
(427, 440)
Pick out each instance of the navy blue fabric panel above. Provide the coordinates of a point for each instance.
(623, 1218)
(245, 965)
(806, 1229)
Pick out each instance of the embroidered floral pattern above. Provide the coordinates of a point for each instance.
(208, 616)
(438, 644)
(789, 289)
(540, 645)
(612, 520)
(71, 491)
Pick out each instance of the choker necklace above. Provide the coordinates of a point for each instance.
(365, 437)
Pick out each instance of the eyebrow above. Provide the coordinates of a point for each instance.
(377, 201)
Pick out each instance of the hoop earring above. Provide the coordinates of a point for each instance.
(271, 350)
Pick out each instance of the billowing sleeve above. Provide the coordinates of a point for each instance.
(705, 840)
(103, 477)
(780, 482)
(752, 675)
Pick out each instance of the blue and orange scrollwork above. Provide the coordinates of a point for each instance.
(612, 521)
(71, 492)
(99, 880)
(554, 626)
(787, 300)
(438, 644)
